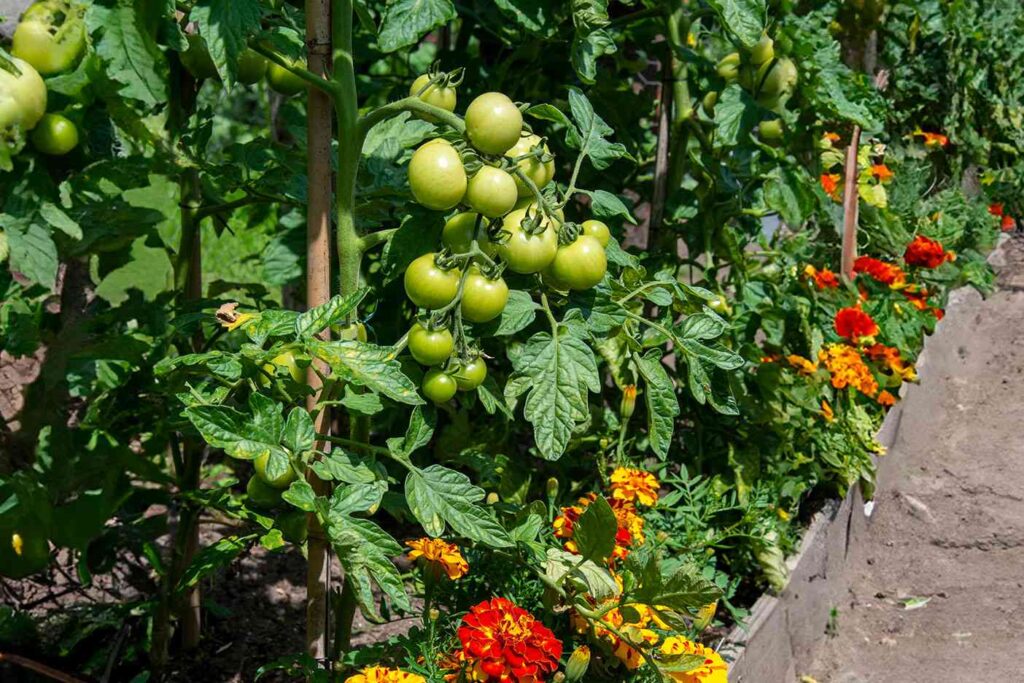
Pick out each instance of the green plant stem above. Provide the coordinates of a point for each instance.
(412, 104)
(305, 74)
(368, 242)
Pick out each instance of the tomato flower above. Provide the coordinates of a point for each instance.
(380, 674)
(830, 183)
(503, 643)
(853, 323)
(886, 273)
(926, 253)
(634, 485)
(823, 279)
(228, 317)
(438, 556)
(848, 369)
(713, 670)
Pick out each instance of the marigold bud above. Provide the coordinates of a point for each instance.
(492, 498)
(434, 614)
(552, 488)
(17, 544)
(628, 403)
(579, 662)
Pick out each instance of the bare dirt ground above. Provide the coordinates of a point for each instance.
(948, 525)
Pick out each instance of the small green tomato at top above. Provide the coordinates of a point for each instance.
(430, 347)
(483, 298)
(442, 96)
(491, 192)
(460, 231)
(281, 481)
(526, 252)
(540, 172)
(50, 36)
(55, 135)
(579, 265)
(252, 67)
(770, 131)
(468, 376)
(598, 230)
(437, 177)
(283, 81)
(493, 123)
(729, 66)
(429, 285)
(439, 386)
(763, 51)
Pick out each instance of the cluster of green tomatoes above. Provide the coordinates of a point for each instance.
(769, 78)
(491, 181)
(250, 68)
(50, 39)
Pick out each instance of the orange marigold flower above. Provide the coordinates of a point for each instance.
(713, 670)
(438, 556)
(853, 323)
(886, 273)
(830, 183)
(938, 313)
(823, 279)
(634, 485)
(380, 674)
(886, 399)
(881, 173)
(918, 298)
(1008, 223)
(934, 140)
(848, 369)
(926, 253)
(503, 643)
(996, 208)
(826, 411)
(803, 365)
(832, 137)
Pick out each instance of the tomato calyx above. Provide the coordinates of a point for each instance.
(441, 79)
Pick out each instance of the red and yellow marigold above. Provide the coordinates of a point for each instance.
(853, 323)
(713, 670)
(634, 486)
(892, 361)
(439, 556)
(932, 140)
(886, 273)
(885, 398)
(830, 183)
(380, 674)
(924, 252)
(503, 643)
(822, 279)
(848, 369)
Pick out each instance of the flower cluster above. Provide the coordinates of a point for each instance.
(1006, 221)
(822, 279)
(439, 556)
(503, 643)
(886, 273)
(380, 674)
(848, 369)
(830, 183)
(924, 252)
(632, 485)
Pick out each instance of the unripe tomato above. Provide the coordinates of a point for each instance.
(780, 80)
(491, 192)
(729, 66)
(23, 552)
(252, 67)
(428, 285)
(50, 36)
(197, 60)
(22, 98)
(430, 347)
(262, 494)
(437, 177)
(282, 481)
(459, 232)
(493, 123)
(598, 230)
(770, 130)
(763, 52)
(483, 299)
(579, 265)
(284, 81)
(709, 102)
(294, 526)
(540, 172)
(439, 386)
(284, 360)
(526, 253)
(443, 97)
(469, 376)
(55, 135)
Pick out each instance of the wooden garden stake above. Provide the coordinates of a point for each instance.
(851, 203)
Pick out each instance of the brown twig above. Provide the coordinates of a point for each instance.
(39, 668)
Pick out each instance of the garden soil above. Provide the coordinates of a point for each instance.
(936, 589)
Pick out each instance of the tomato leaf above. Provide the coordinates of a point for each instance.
(301, 495)
(745, 19)
(365, 551)
(299, 432)
(735, 116)
(367, 365)
(343, 466)
(214, 557)
(128, 49)
(588, 135)
(660, 399)
(406, 21)
(226, 25)
(333, 311)
(519, 312)
(240, 435)
(604, 204)
(437, 495)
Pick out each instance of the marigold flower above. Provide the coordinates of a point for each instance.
(439, 556)
(926, 253)
(996, 208)
(886, 273)
(636, 632)
(823, 279)
(804, 365)
(886, 399)
(881, 173)
(848, 369)
(380, 674)
(832, 137)
(628, 402)
(830, 183)
(933, 140)
(890, 357)
(634, 485)
(503, 643)
(918, 298)
(713, 670)
(826, 411)
(853, 323)
(1008, 223)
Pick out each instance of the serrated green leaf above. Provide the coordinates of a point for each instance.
(406, 21)
(437, 495)
(660, 399)
(226, 25)
(299, 432)
(594, 532)
(368, 365)
(301, 495)
(331, 312)
(128, 48)
(745, 19)
(235, 432)
(562, 565)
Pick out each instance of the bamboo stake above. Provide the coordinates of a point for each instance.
(851, 205)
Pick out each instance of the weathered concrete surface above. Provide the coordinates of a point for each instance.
(948, 523)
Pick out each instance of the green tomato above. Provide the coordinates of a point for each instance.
(197, 60)
(763, 52)
(294, 526)
(439, 386)
(443, 97)
(281, 481)
(430, 347)
(540, 172)
(493, 123)
(50, 36)
(483, 298)
(428, 285)
(22, 98)
(468, 376)
(262, 494)
(770, 131)
(598, 230)
(55, 135)
(579, 265)
(252, 67)
(780, 80)
(437, 177)
(459, 232)
(23, 552)
(524, 252)
(709, 101)
(283, 81)
(729, 66)
(491, 192)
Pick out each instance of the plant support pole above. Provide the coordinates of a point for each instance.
(851, 205)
